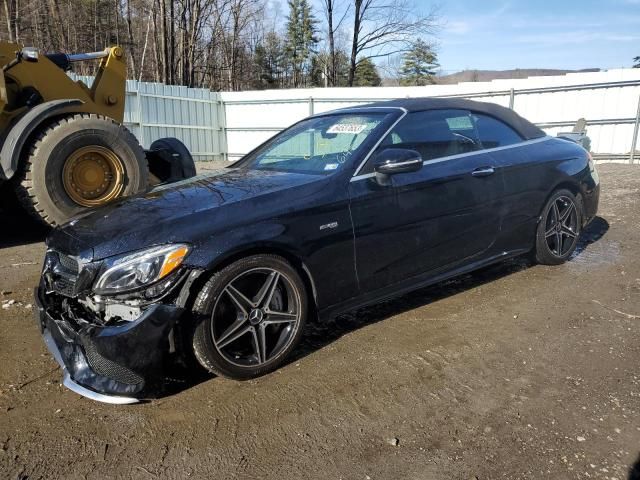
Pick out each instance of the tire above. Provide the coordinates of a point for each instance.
(220, 318)
(171, 160)
(44, 186)
(552, 236)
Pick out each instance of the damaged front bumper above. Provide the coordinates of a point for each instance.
(114, 364)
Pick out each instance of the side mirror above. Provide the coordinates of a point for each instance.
(396, 160)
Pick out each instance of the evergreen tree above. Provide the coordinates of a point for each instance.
(320, 75)
(420, 65)
(366, 74)
(319, 70)
(637, 62)
(269, 61)
(342, 68)
(301, 38)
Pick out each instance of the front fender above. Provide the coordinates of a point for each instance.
(21, 131)
(267, 236)
(237, 244)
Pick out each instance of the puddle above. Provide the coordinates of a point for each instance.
(597, 254)
(593, 250)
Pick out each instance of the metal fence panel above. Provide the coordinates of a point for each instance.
(193, 115)
(609, 101)
(230, 124)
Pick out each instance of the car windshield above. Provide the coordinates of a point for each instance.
(319, 145)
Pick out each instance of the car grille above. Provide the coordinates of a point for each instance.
(68, 263)
(61, 273)
(64, 287)
(104, 366)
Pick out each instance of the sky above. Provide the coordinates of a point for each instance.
(507, 34)
(566, 34)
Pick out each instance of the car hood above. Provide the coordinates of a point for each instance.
(186, 211)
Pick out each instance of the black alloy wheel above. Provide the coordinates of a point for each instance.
(559, 228)
(254, 311)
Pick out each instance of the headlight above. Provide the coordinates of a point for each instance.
(140, 269)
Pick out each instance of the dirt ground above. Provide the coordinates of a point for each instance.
(517, 371)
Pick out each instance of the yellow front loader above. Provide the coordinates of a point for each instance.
(63, 147)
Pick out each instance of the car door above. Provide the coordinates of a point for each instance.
(445, 214)
(526, 178)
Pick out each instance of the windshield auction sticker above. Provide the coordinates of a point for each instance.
(352, 128)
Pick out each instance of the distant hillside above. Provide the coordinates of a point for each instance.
(488, 75)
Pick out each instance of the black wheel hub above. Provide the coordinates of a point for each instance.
(561, 228)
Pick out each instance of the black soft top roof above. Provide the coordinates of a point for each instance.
(525, 128)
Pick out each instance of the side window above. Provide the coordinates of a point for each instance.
(433, 133)
(494, 133)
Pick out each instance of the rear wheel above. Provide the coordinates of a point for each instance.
(78, 162)
(559, 228)
(252, 316)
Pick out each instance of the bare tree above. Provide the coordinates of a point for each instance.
(386, 27)
(333, 27)
(391, 70)
(132, 43)
(11, 12)
(217, 44)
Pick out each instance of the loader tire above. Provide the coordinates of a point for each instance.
(79, 162)
(170, 160)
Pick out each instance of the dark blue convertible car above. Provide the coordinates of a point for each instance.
(340, 210)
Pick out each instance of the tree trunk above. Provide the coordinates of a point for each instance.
(144, 48)
(48, 33)
(193, 39)
(182, 71)
(172, 50)
(59, 25)
(332, 47)
(164, 54)
(157, 71)
(36, 28)
(117, 10)
(354, 45)
(7, 13)
(95, 27)
(131, 49)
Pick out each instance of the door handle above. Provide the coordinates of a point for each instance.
(483, 172)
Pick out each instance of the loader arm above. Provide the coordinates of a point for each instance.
(63, 145)
(37, 80)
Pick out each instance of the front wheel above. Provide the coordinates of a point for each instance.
(559, 228)
(252, 314)
(78, 162)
